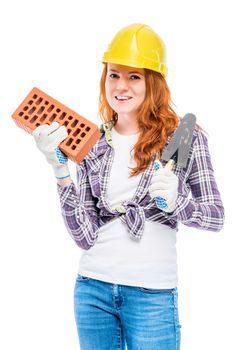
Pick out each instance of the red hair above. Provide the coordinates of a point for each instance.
(156, 118)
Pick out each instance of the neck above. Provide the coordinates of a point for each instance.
(126, 125)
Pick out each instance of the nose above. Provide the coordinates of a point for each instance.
(122, 84)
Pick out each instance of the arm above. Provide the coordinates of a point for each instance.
(205, 209)
(78, 206)
(64, 182)
(79, 209)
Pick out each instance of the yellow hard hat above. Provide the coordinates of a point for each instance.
(137, 46)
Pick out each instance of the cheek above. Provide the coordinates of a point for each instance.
(109, 95)
(142, 96)
(108, 89)
(142, 92)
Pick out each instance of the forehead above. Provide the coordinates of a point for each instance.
(124, 69)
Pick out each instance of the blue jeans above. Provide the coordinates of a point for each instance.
(111, 316)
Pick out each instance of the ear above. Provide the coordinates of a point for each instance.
(157, 165)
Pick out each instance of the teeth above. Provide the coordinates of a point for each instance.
(123, 97)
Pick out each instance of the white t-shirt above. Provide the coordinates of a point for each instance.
(117, 257)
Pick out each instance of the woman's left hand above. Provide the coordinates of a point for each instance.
(164, 188)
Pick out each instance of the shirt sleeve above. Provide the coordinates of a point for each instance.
(79, 210)
(205, 209)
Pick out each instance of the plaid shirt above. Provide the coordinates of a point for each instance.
(85, 208)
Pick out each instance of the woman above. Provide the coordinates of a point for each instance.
(126, 289)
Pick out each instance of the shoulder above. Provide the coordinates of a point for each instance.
(199, 155)
(200, 137)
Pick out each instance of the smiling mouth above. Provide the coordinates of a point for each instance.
(122, 98)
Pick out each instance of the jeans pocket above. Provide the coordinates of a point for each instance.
(155, 291)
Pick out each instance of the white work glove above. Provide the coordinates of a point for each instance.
(164, 188)
(48, 138)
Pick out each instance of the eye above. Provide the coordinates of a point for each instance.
(113, 75)
(134, 77)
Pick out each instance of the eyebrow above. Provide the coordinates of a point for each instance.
(132, 72)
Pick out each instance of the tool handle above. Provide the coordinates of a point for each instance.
(161, 203)
(170, 164)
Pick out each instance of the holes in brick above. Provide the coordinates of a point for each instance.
(70, 117)
(74, 123)
(73, 147)
(82, 125)
(32, 110)
(66, 123)
(41, 110)
(43, 118)
(76, 132)
(87, 128)
(30, 102)
(37, 124)
(52, 118)
(83, 134)
(78, 141)
(68, 143)
(25, 108)
(58, 110)
(26, 117)
(21, 113)
(34, 119)
(63, 115)
(46, 103)
(34, 96)
(39, 101)
(51, 107)
(68, 130)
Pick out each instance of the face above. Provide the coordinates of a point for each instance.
(125, 88)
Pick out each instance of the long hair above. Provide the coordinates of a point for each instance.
(156, 119)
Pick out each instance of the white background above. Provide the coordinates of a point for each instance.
(57, 46)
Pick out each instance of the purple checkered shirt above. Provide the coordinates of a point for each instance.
(85, 208)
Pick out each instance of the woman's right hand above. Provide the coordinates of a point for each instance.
(48, 139)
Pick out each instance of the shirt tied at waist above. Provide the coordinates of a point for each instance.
(134, 217)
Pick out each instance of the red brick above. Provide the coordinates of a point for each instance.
(39, 108)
